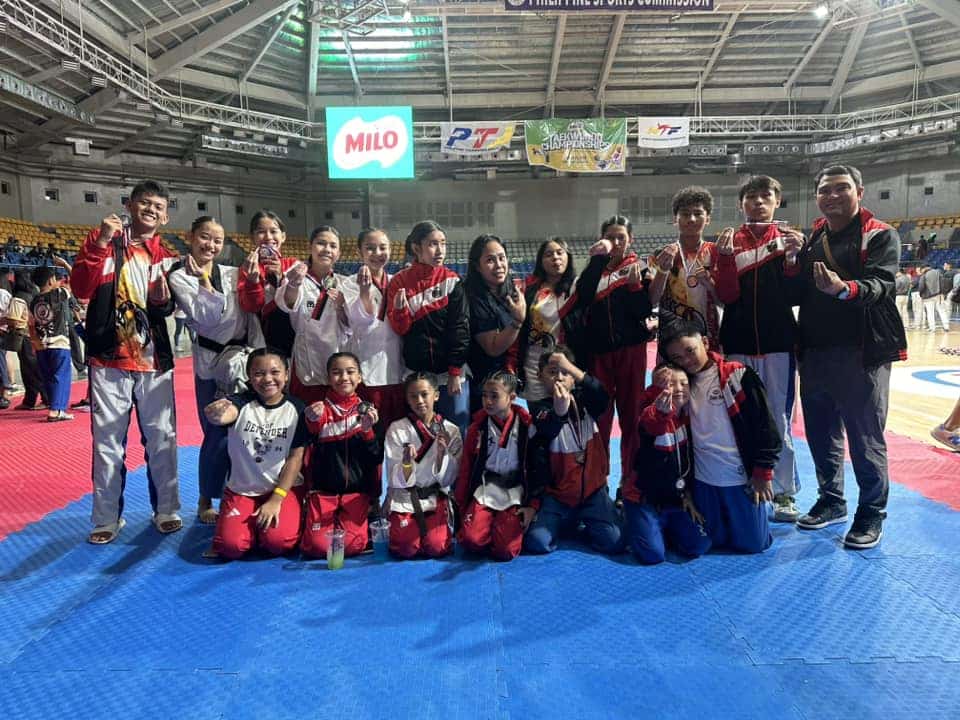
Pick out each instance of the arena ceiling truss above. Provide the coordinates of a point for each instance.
(155, 76)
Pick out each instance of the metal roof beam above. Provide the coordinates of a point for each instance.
(613, 41)
(846, 64)
(949, 10)
(181, 20)
(217, 35)
(267, 42)
(717, 49)
(911, 42)
(811, 51)
(558, 33)
(357, 87)
(53, 128)
(446, 60)
(313, 64)
(159, 125)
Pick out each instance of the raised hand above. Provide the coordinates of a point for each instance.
(296, 274)
(251, 266)
(666, 257)
(454, 384)
(561, 399)
(601, 247)
(369, 419)
(517, 305)
(793, 241)
(827, 280)
(664, 401)
(109, 227)
(725, 241)
(314, 411)
(159, 291)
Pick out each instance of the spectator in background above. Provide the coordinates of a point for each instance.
(922, 248)
(902, 284)
(929, 288)
(17, 331)
(6, 384)
(949, 280)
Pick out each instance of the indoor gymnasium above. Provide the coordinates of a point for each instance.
(480, 358)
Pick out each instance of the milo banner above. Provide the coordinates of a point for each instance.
(610, 6)
(597, 146)
(475, 138)
(657, 133)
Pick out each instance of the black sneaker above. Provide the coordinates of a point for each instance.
(866, 531)
(823, 513)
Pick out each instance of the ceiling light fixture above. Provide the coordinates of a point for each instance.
(821, 11)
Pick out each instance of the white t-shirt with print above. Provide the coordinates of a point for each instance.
(716, 458)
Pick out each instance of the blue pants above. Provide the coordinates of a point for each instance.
(597, 513)
(214, 458)
(55, 371)
(5, 381)
(651, 531)
(456, 408)
(731, 519)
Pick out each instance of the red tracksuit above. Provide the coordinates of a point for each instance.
(339, 471)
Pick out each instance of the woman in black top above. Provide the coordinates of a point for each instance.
(497, 311)
(18, 341)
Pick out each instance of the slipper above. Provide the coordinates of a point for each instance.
(60, 417)
(207, 516)
(106, 534)
(167, 523)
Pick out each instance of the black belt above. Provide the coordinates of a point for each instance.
(416, 495)
(212, 345)
(505, 481)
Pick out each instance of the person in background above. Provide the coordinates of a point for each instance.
(50, 320)
(16, 325)
(6, 380)
(902, 288)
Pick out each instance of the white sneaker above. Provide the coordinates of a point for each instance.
(785, 509)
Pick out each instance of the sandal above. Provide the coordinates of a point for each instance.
(208, 516)
(59, 417)
(167, 523)
(106, 534)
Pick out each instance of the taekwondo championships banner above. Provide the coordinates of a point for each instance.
(593, 146)
(609, 6)
(475, 138)
(663, 132)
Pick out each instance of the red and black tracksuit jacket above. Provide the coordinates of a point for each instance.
(435, 324)
(664, 454)
(530, 465)
(569, 481)
(95, 279)
(343, 458)
(252, 296)
(757, 317)
(617, 317)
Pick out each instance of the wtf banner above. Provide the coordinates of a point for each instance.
(475, 138)
(663, 132)
(589, 146)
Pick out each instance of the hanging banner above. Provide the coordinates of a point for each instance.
(475, 138)
(369, 142)
(598, 146)
(663, 132)
(610, 6)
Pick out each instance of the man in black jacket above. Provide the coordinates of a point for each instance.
(850, 332)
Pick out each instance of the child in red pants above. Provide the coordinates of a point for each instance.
(423, 457)
(496, 472)
(266, 440)
(344, 453)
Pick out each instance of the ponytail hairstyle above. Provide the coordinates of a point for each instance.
(616, 220)
(473, 283)
(418, 233)
(269, 215)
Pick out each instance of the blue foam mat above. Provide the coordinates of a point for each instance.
(145, 627)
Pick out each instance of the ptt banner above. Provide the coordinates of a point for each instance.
(369, 142)
(475, 138)
(609, 6)
(663, 132)
(593, 146)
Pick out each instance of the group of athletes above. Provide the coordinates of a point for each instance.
(312, 386)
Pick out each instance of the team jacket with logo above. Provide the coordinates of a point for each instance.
(319, 333)
(664, 454)
(123, 329)
(435, 324)
(571, 438)
(757, 318)
(516, 437)
(344, 457)
(617, 318)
